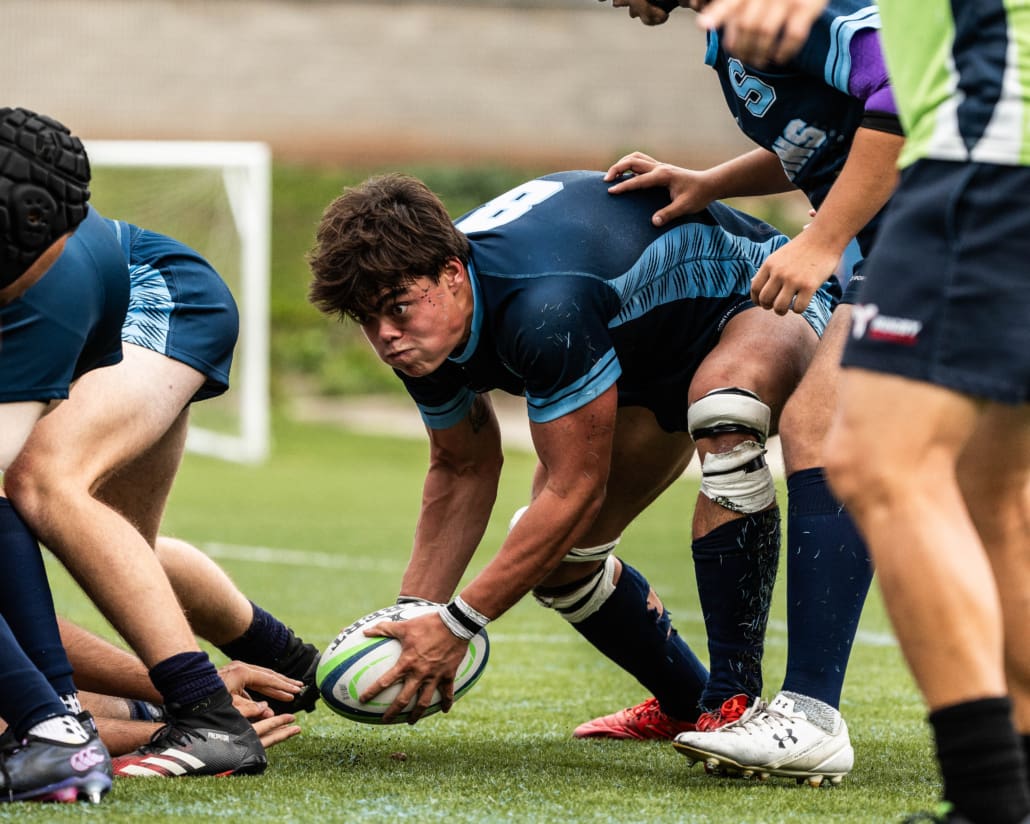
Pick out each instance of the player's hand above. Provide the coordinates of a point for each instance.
(239, 677)
(760, 32)
(792, 274)
(427, 664)
(276, 729)
(688, 189)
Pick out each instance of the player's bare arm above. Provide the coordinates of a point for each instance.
(758, 172)
(791, 275)
(457, 497)
(575, 455)
(561, 512)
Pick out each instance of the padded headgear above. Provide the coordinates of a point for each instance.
(44, 186)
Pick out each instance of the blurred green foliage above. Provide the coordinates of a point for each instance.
(332, 357)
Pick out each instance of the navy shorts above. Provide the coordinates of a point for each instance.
(179, 306)
(69, 322)
(946, 298)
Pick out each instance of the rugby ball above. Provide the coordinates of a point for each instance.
(354, 661)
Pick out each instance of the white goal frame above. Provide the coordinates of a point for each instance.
(246, 174)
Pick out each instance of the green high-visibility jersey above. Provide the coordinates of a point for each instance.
(960, 72)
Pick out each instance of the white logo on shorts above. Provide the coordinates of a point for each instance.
(866, 321)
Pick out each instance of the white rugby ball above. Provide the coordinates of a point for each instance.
(354, 661)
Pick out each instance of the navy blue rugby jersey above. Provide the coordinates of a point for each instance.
(802, 110)
(575, 290)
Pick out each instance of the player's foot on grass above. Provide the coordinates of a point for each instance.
(776, 739)
(208, 738)
(41, 769)
(642, 722)
(300, 661)
(731, 710)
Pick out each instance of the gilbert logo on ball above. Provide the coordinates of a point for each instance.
(354, 661)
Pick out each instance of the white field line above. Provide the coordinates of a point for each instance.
(299, 557)
(775, 634)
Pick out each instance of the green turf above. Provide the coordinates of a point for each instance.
(338, 510)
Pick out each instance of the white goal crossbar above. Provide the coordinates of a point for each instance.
(246, 175)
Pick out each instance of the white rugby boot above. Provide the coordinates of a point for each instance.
(776, 739)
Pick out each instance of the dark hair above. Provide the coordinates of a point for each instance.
(377, 238)
(44, 186)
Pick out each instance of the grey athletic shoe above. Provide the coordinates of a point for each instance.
(38, 769)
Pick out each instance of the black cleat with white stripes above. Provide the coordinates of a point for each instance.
(207, 738)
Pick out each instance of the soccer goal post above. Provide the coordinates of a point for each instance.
(216, 197)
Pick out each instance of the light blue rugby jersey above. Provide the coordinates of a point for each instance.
(802, 110)
(575, 290)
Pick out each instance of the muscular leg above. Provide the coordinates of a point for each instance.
(808, 413)
(631, 626)
(92, 480)
(893, 459)
(736, 553)
(994, 476)
(98, 466)
(828, 566)
(218, 612)
(900, 482)
(25, 599)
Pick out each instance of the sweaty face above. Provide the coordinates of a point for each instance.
(414, 330)
(647, 14)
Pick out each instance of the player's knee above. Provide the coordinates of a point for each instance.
(31, 491)
(850, 473)
(576, 555)
(738, 479)
(578, 600)
(802, 428)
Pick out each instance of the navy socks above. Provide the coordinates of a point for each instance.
(186, 678)
(828, 577)
(26, 602)
(735, 565)
(644, 643)
(263, 643)
(26, 698)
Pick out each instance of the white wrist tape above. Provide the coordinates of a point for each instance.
(462, 620)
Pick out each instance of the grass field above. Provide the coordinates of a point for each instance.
(319, 535)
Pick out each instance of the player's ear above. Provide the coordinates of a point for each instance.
(454, 274)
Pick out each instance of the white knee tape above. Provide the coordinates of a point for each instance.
(739, 480)
(586, 599)
(582, 555)
(731, 409)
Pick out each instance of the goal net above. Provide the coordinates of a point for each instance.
(216, 198)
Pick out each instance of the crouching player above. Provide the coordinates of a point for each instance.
(63, 295)
(633, 346)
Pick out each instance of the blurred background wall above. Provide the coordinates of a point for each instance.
(553, 83)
